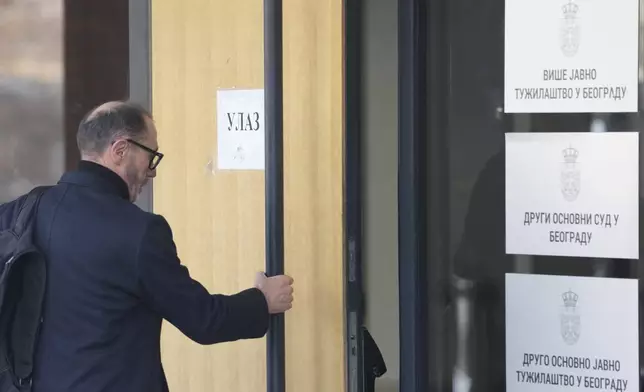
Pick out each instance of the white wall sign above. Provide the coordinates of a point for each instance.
(571, 56)
(572, 194)
(571, 333)
(240, 129)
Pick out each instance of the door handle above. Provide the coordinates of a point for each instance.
(373, 362)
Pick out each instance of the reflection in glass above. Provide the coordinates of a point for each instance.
(473, 322)
(31, 95)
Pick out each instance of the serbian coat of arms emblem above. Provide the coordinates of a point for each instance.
(570, 30)
(570, 318)
(570, 174)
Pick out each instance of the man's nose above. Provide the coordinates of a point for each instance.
(152, 173)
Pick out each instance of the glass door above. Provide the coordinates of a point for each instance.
(519, 195)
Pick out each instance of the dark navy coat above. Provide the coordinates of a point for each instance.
(113, 275)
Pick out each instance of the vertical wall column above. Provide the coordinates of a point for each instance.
(96, 62)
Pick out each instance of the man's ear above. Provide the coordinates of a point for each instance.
(117, 151)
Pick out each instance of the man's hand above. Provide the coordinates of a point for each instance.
(278, 291)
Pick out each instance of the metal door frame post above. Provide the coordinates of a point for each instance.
(412, 192)
(274, 184)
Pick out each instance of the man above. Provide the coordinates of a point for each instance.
(114, 274)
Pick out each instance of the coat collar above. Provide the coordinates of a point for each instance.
(93, 175)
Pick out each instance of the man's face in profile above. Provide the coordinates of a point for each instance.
(138, 159)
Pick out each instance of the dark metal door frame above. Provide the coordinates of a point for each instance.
(423, 190)
(273, 93)
(421, 148)
(140, 83)
(354, 302)
(412, 179)
(274, 179)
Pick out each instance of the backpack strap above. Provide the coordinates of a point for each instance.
(28, 207)
(27, 292)
(25, 329)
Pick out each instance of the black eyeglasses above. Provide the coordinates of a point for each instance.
(155, 158)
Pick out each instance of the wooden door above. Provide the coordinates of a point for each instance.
(199, 46)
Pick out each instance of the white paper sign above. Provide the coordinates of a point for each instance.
(240, 129)
(571, 333)
(572, 194)
(571, 56)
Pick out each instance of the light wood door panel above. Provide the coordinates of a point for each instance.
(217, 217)
(313, 191)
(199, 46)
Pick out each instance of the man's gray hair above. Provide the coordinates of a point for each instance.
(108, 122)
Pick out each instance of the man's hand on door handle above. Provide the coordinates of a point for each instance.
(278, 291)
